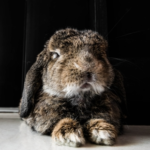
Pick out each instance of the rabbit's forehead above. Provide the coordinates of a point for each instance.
(84, 50)
(76, 44)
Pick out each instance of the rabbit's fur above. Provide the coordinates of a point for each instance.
(72, 92)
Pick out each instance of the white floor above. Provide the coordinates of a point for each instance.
(16, 135)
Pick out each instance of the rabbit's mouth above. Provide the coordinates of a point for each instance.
(96, 87)
(85, 86)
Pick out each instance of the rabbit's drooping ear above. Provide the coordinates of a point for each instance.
(33, 82)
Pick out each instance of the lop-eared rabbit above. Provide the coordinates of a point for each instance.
(72, 92)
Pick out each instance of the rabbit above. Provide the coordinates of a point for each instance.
(72, 92)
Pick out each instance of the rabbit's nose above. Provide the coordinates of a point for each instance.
(88, 76)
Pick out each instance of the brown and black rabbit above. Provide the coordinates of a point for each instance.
(72, 92)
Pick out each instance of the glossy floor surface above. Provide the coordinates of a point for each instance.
(16, 135)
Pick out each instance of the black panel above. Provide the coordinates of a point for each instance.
(27, 24)
(11, 47)
(128, 34)
(98, 16)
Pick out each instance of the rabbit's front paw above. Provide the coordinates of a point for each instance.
(101, 132)
(68, 132)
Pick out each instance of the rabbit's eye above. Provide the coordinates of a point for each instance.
(55, 55)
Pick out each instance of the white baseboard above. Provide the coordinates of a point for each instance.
(9, 110)
(9, 115)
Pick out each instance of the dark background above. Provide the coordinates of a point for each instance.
(25, 25)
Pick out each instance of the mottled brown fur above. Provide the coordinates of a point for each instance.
(72, 87)
(66, 128)
(94, 126)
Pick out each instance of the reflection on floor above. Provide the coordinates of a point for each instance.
(16, 135)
